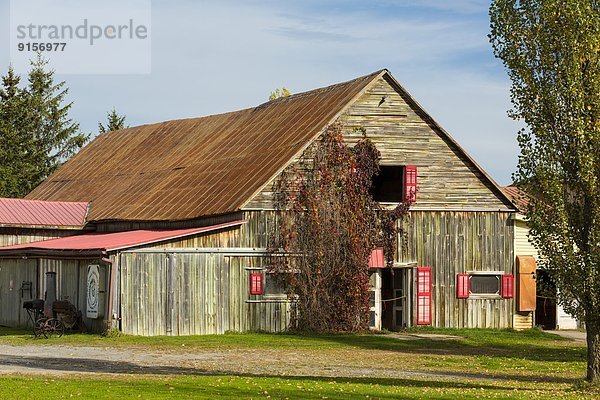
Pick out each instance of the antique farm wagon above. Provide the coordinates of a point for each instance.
(180, 212)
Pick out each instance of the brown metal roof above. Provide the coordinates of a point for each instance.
(190, 168)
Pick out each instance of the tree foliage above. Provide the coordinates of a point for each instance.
(11, 135)
(328, 224)
(277, 93)
(114, 122)
(36, 132)
(551, 50)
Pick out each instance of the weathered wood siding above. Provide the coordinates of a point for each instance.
(12, 274)
(71, 285)
(193, 294)
(454, 243)
(12, 236)
(253, 234)
(451, 242)
(447, 179)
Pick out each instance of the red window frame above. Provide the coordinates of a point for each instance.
(410, 184)
(508, 286)
(463, 286)
(256, 283)
(424, 306)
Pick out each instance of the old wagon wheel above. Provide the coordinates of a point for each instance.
(38, 327)
(54, 327)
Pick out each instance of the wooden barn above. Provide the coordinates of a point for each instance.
(180, 212)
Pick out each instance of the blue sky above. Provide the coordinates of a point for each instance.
(211, 57)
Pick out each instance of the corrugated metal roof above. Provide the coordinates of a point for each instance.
(96, 244)
(22, 212)
(186, 169)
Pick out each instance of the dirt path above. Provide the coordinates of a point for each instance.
(576, 336)
(65, 360)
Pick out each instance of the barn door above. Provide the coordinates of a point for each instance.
(402, 297)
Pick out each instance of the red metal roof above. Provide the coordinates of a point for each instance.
(97, 244)
(42, 213)
(518, 197)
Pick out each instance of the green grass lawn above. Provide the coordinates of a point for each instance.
(235, 387)
(481, 364)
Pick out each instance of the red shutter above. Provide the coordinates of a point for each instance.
(463, 286)
(424, 296)
(410, 184)
(508, 286)
(377, 260)
(256, 283)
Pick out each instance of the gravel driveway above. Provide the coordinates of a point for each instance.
(66, 360)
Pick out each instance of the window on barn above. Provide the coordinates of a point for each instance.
(387, 186)
(395, 184)
(276, 286)
(486, 285)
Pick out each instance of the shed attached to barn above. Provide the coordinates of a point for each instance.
(533, 307)
(27, 221)
(181, 212)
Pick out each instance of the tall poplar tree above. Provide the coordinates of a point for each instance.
(551, 50)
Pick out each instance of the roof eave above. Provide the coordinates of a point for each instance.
(34, 253)
(49, 227)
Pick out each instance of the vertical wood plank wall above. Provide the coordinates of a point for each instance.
(71, 281)
(193, 294)
(208, 293)
(12, 236)
(71, 285)
(454, 243)
(12, 274)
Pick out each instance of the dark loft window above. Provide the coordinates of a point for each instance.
(387, 186)
(485, 284)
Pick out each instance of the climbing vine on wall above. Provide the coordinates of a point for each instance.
(327, 225)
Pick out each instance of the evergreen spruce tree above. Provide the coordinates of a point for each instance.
(114, 122)
(13, 141)
(36, 133)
